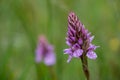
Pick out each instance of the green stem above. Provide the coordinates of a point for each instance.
(39, 70)
(85, 66)
(52, 73)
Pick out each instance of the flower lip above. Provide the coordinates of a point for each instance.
(91, 55)
(78, 53)
(68, 51)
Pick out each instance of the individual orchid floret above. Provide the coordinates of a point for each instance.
(45, 52)
(78, 39)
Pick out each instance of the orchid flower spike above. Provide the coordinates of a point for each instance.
(78, 39)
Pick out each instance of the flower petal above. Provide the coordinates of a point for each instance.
(72, 38)
(78, 53)
(80, 41)
(49, 59)
(50, 48)
(92, 47)
(38, 56)
(68, 43)
(69, 58)
(71, 28)
(75, 46)
(91, 55)
(67, 51)
(88, 34)
(91, 38)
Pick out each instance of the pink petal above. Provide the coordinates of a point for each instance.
(91, 55)
(91, 38)
(80, 41)
(69, 58)
(78, 53)
(68, 43)
(38, 56)
(49, 59)
(67, 51)
(92, 47)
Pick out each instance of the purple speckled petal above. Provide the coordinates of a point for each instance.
(92, 47)
(80, 41)
(88, 35)
(91, 38)
(78, 53)
(69, 58)
(67, 51)
(91, 55)
(84, 31)
(69, 40)
(72, 38)
(70, 27)
(75, 46)
(68, 43)
(49, 59)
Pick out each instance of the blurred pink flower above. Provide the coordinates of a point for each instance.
(45, 52)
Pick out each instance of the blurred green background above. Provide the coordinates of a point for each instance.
(22, 21)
